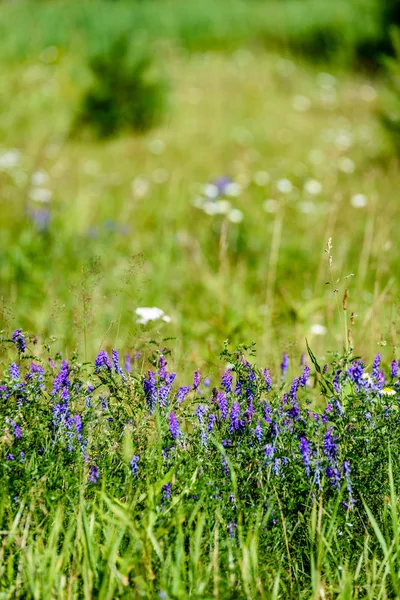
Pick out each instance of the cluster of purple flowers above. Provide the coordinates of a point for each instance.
(246, 424)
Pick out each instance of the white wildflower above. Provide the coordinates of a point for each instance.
(318, 329)
(313, 187)
(10, 160)
(284, 186)
(147, 314)
(235, 215)
(359, 200)
(40, 195)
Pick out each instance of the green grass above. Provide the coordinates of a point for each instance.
(262, 279)
(315, 28)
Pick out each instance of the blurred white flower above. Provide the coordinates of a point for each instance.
(233, 189)
(157, 146)
(344, 140)
(223, 206)
(301, 103)
(235, 215)
(147, 314)
(40, 194)
(313, 187)
(39, 178)
(359, 200)
(284, 186)
(271, 206)
(210, 208)
(346, 165)
(261, 178)
(140, 187)
(9, 160)
(211, 191)
(306, 207)
(318, 329)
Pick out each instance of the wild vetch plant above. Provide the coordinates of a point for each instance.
(242, 451)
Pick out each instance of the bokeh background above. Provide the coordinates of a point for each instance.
(197, 157)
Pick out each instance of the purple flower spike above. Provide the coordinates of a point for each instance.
(226, 381)
(376, 365)
(19, 340)
(94, 474)
(182, 393)
(304, 376)
(196, 380)
(13, 371)
(284, 365)
(394, 369)
(268, 380)
(134, 466)
(102, 362)
(128, 367)
(174, 426)
(305, 452)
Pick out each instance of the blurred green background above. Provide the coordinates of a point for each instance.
(197, 157)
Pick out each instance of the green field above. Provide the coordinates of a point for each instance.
(124, 230)
(263, 207)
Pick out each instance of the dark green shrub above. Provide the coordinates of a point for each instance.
(390, 110)
(126, 93)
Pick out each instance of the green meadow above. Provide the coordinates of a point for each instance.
(233, 166)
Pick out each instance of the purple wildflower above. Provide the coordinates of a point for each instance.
(284, 365)
(19, 340)
(102, 362)
(200, 412)
(165, 389)
(235, 422)
(293, 389)
(196, 379)
(330, 447)
(376, 365)
(162, 364)
(304, 376)
(13, 371)
(166, 491)
(305, 452)
(211, 421)
(394, 370)
(267, 379)
(61, 379)
(334, 476)
(174, 425)
(258, 432)
(94, 474)
(335, 381)
(356, 371)
(182, 393)
(225, 467)
(150, 390)
(134, 466)
(10, 457)
(223, 405)
(128, 367)
(226, 381)
(115, 360)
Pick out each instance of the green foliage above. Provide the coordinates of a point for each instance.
(203, 513)
(390, 108)
(126, 93)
